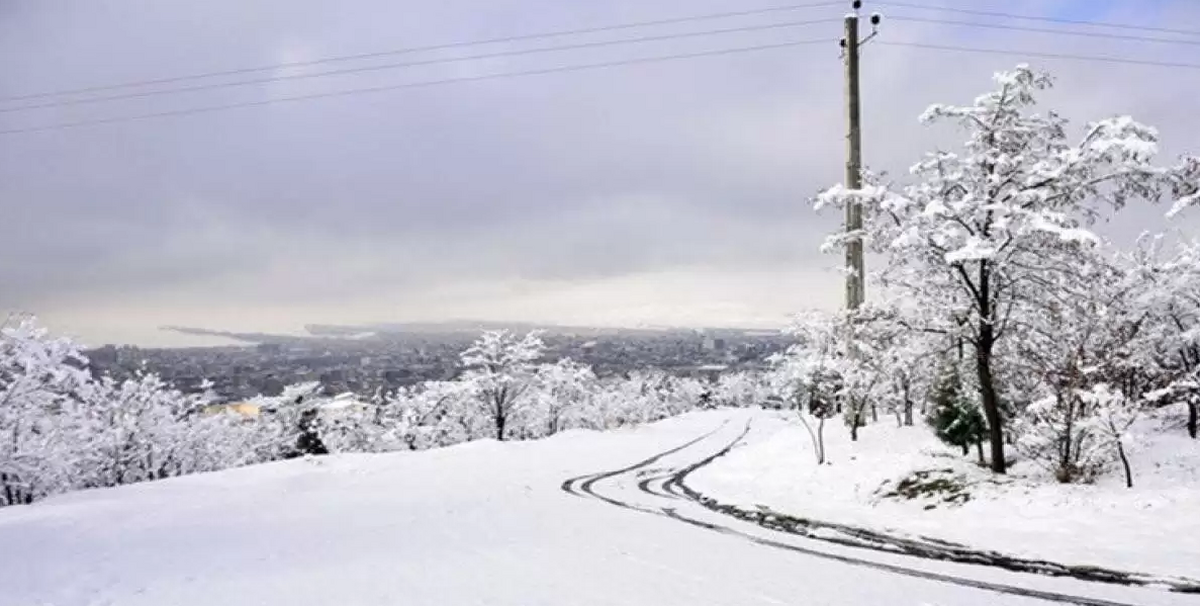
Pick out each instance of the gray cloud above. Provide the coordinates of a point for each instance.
(537, 195)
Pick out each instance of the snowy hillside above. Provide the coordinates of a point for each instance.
(1151, 528)
(478, 523)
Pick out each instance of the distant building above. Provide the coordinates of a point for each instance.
(271, 386)
(243, 409)
(106, 356)
(269, 348)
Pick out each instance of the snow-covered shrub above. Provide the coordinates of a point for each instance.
(644, 396)
(431, 415)
(741, 390)
(60, 429)
(287, 425)
(141, 429)
(563, 398)
(681, 394)
(1079, 434)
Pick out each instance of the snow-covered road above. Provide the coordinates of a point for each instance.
(480, 523)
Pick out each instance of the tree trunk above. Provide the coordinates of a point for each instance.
(855, 419)
(10, 497)
(821, 441)
(1125, 464)
(979, 449)
(1191, 422)
(1066, 452)
(812, 436)
(991, 410)
(908, 407)
(983, 363)
(500, 418)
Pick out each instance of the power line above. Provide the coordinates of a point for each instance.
(406, 64)
(433, 47)
(1000, 51)
(1147, 28)
(1043, 30)
(379, 89)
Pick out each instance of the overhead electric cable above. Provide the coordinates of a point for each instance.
(409, 85)
(1063, 20)
(431, 47)
(1044, 30)
(420, 63)
(1046, 55)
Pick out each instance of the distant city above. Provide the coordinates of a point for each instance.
(375, 359)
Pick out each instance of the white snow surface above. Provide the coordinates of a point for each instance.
(474, 524)
(1152, 528)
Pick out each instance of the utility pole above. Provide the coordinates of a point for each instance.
(855, 267)
(854, 253)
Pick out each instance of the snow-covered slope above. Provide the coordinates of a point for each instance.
(1152, 528)
(480, 523)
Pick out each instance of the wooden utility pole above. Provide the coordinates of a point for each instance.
(855, 270)
(854, 248)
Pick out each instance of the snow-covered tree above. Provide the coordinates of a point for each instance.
(954, 414)
(430, 415)
(500, 369)
(43, 425)
(622, 401)
(808, 374)
(1169, 292)
(564, 399)
(972, 235)
(1095, 342)
(141, 431)
(741, 390)
(347, 423)
(60, 429)
(289, 424)
(1115, 414)
(645, 396)
(681, 394)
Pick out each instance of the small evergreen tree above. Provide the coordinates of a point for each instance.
(309, 442)
(955, 419)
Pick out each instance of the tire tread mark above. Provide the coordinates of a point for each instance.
(677, 482)
(581, 486)
(930, 549)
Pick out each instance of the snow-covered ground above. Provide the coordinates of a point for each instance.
(479, 523)
(1152, 528)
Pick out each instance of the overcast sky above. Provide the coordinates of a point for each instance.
(661, 193)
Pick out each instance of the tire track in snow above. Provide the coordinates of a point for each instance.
(921, 547)
(663, 492)
(582, 486)
(673, 485)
